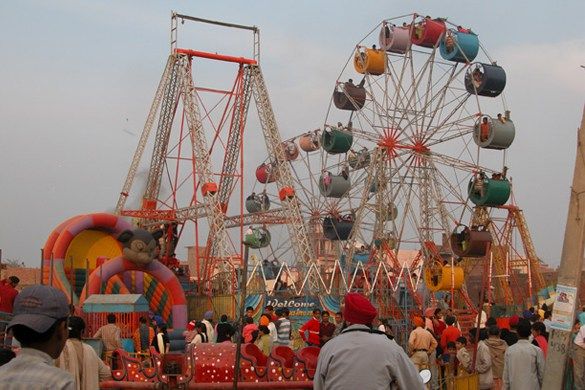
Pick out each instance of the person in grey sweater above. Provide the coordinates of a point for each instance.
(362, 357)
(523, 362)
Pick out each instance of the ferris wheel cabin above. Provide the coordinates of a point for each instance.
(489, 192)
(336, 140)
(459, 46)
(494, 133)
(333, 186)
(257, 237)
(336, 229)
(348, 96)
(485, 79)
(427, 32)
(291, 150)
(470, 242)
(370, 61)
(444, 278)
(257, 202)
(360, 159)
(310, 142)
(266, 173)
(394, 39)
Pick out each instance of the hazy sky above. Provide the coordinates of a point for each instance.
(75, 75)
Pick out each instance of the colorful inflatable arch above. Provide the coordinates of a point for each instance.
(75, 241)
(160, 272)
(79, 245)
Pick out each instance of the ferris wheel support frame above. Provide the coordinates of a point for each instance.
(509, 261)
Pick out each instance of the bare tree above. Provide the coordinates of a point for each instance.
(13, 263)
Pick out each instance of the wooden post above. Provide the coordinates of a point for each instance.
(71, 278)
(86, 276)
(101, 282)
(51, 271)
(42, 268)
(570, 269)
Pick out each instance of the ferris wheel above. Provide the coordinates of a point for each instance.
(413, 144)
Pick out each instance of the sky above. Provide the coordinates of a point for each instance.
(77, 79)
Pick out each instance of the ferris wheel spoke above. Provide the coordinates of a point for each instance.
(452, 188)
(450, 131)
(436, 102)
(307, 199)
(454, 162)
(407, 192)
(445, 126)
(400, 93)
(439, 97)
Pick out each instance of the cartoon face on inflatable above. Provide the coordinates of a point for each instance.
(139, 245)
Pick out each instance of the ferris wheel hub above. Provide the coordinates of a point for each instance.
(391, 144)
(420, 147)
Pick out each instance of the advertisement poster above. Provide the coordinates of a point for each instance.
(564, 308)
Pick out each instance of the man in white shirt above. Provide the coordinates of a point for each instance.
(80, 360)
(208, 322)
(40, 325)
(273, 332)
(579, 359)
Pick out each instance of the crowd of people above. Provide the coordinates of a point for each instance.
(504, 358)
(51, 354)
(356, 346)
(272, 328)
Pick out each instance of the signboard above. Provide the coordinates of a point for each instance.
(301, 308)
(564, 308)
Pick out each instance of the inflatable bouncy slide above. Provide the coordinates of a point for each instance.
(83, 256)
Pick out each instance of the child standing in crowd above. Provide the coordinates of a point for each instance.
(224, 330)
(463, 358)
(264, 341)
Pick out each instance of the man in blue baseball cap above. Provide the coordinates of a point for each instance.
(40, 325)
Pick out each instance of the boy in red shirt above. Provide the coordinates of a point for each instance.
(313, 326)
(451, 333)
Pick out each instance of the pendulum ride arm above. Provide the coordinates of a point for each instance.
(233, 146)
(296, 226)
(202, 160)
(161, 142)
(162, 87)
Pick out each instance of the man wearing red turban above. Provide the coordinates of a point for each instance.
(363, 358)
